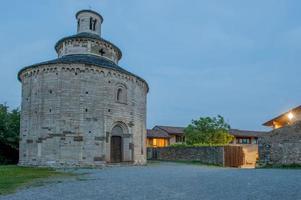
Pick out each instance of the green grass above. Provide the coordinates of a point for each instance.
(13, 177)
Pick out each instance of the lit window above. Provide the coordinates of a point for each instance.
(155, 142)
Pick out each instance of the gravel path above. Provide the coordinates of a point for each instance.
(171, 181)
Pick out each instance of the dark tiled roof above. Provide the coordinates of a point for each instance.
(157, 134)
(237, 132)
(84, 59)
(90, 36)
(171, 129)
(91, 11)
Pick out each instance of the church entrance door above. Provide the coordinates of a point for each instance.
(116, 149)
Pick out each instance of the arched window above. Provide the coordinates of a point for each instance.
(119, 94)
(94, 24)
(91, 21)
(78, 24)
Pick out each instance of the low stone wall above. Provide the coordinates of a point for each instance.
(281, 146)
(206, 155)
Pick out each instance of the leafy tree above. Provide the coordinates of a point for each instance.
(9, 134)
(208, 130)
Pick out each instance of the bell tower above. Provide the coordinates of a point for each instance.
(89, 21)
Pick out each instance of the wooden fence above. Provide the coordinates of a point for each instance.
(233, 156)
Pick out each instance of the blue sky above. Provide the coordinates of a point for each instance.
(239, 59)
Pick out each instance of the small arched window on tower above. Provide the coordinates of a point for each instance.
(121, 94)
(94, 24)
(91, 23)
(78, 24)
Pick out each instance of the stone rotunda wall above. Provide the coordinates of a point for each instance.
(69, 111)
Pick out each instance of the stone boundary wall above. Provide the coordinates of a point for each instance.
(206, 155)
(281, 146)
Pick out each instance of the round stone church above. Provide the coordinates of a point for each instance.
(82, 109)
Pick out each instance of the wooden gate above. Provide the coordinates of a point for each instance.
(233, 156)
(116, 152)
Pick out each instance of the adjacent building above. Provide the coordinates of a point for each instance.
(157, 138)
(245, 136)
(162, 136)
(176, 133)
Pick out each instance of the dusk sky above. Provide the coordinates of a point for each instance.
(239, 59)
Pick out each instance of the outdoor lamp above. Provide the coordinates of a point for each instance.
(290, 116)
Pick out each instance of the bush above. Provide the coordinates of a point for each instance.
(9, 135)
(196, 145)
(179, 145)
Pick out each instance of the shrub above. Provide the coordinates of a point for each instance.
(9, 134)
(196, 145)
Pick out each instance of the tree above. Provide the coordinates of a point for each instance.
(9, 134)
(208, 130)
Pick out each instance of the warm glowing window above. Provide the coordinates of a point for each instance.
(156, 142)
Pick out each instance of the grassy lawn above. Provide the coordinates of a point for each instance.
(13, 177)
